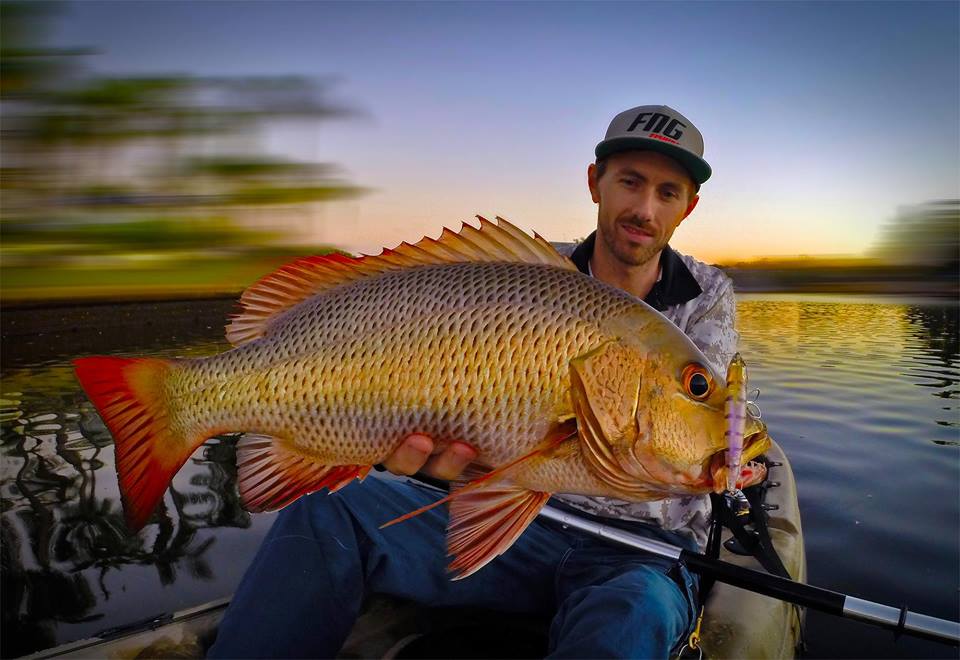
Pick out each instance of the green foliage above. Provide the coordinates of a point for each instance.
(25, 64)
(123, 94)
(230, 167)
(926, 235)
(269, 195)
(109, 165)
(136, 235)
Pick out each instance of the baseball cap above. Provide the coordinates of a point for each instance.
(657, 128)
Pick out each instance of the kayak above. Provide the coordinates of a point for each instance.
(741, 624)
(737, 623)
(185, 633)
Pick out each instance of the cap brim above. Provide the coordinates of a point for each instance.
(697, 167)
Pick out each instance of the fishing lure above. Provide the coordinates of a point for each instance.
(736, 416)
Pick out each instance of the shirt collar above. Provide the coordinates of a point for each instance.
(676, 285)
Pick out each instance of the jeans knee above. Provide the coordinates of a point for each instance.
(620, 620)
(620, 605)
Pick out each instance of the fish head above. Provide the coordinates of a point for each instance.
(651, 412)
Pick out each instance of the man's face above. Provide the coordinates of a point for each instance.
(643, 196)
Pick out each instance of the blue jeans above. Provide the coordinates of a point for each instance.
(325, 553)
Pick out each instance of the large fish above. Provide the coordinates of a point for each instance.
(563, 383)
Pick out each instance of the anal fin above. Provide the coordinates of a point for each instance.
(272, 474)
(485, 522)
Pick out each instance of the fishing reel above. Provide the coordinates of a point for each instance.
(736, 502)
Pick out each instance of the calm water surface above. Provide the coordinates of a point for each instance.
(862, 394)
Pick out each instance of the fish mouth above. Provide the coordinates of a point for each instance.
(752, 472)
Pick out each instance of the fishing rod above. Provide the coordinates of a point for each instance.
(898, 619)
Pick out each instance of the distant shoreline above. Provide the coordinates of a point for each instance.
(856, 288)
(202, 277)
(844, 281)
(88, 298)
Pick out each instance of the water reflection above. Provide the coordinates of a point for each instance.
(938, 328)
(862, 393)
(853, 389)
(63, 525)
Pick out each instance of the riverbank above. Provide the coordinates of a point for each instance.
(869, 281)
(39, 332)
(45, 280)
(115, 279)
(198, 277)
(63, 296)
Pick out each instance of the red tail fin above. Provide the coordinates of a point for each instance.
(130, 396)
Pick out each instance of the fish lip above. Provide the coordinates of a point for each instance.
(719, 459)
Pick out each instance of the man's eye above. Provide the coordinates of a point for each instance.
(671, 194)
(628, 182)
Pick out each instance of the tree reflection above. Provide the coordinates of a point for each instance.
(29, 591)
(938, 327)
(62, 531)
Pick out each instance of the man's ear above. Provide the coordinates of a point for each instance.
(592, 183)
(692, 205)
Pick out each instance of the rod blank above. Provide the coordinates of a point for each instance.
(806, 595)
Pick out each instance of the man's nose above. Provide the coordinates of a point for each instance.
(644, 205)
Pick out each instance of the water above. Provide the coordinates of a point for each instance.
(861, 393)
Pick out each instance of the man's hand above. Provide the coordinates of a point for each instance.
(414, 455)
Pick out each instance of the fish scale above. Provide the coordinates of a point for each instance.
(357, 365)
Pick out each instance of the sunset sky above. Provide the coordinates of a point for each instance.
(819, 119)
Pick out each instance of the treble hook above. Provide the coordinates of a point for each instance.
(752, 408)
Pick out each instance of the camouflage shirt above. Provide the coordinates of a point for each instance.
(699, 299)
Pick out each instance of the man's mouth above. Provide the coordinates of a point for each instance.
(636, 231)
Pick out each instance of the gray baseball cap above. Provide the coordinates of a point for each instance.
(657, 128)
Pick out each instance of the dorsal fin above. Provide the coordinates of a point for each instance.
(305, 277)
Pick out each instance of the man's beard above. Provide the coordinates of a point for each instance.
(636, 257)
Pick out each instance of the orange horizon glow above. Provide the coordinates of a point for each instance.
(383, 220)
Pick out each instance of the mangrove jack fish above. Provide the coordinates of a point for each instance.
(564, 384)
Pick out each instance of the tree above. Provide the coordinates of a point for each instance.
(926, 236)
(101, 164)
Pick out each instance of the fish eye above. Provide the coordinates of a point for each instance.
(696, 381)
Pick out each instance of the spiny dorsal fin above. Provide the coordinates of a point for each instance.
(305, 277)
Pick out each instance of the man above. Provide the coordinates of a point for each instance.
(324, 553)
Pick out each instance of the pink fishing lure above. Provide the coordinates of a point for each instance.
(736, 414)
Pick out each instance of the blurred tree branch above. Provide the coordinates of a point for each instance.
(112, 164)
(925, 235)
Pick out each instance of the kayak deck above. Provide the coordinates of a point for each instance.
(183, 634)
(742, 624)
